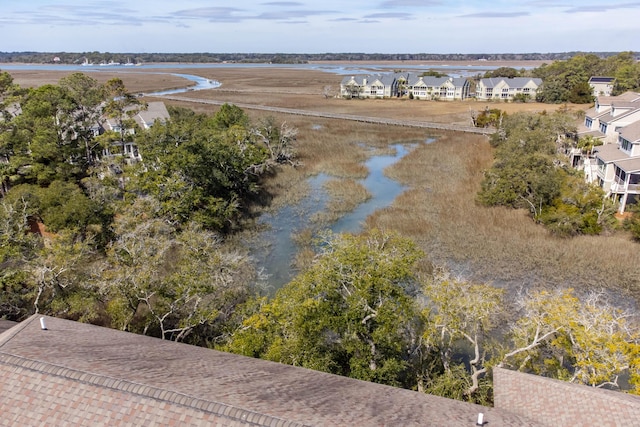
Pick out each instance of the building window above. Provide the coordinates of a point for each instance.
(625, 145)
(603, 128)
(588, 122)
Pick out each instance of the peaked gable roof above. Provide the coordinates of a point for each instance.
(623, 97)
(368, 79)
(88, 375)
(631, 132)
(511, 81)
(609, 153)
(156, 111)
(429, 81)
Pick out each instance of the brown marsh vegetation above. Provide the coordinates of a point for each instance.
(495, 245)
(499, 246)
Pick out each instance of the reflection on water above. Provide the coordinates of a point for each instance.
(278, 251)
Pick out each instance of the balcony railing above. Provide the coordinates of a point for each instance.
(619, 186)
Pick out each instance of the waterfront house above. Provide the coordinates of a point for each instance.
(609, 114)
(619, 115)
(144, 119)
(605, 156)
(615, 165)
(618, 166)
(437, 88)
(392, 85)
(505, 89)
(369, 86)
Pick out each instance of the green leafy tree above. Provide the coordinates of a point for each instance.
(580, 208)
(580, 93)
(567, 81)
(63, 206)
(626, 70)
(585, 341)
(586, 143)
(121, 105)
(632, 223)
(200, 171)
(488, 117)
(42, 146)
(59, 274)
(351, 313)
(524, 174)
(507, 72)
(88, 96)
(7, 170)
(230, 115)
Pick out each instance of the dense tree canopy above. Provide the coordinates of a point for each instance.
(139, 247)
(351, 313)
(567, 81)
(529, 173)
(507, 72)
(367, 309)
(203, 168)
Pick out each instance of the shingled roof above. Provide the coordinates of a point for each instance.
(80, 374)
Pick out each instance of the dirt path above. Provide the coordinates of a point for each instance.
(338, 116)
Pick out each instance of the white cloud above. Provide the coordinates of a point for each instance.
(407, 26)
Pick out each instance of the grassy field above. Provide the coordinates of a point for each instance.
(495, 245)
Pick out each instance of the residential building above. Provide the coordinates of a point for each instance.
(609, 115)
(437, 88)
(394, 85)
(61, 372)
(602, 86)
(369, 86)
(154, 112)
(615, 165)
(618, 166)
(605, 157)
(505, 89)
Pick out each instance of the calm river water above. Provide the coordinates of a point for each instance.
(275, 254)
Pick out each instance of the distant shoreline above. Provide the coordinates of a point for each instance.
(480, 63)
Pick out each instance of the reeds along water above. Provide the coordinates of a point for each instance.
(439, 211)
(496, 244)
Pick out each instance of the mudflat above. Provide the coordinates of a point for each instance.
(297, 88)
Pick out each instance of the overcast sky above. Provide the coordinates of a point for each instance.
(371, 26)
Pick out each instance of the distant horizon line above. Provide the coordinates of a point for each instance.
(317, 53)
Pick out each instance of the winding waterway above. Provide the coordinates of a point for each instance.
(277, 249)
